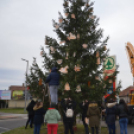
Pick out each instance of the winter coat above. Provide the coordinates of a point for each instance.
(53, 78)
(52, 116)
(84, 108)
(65, 106)
(121, 111)
(94, 115)
(30, 108)
(39, 114)
(110, 114)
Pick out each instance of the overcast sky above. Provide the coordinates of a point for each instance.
(24, 24)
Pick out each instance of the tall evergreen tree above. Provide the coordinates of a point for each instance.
(78, 53)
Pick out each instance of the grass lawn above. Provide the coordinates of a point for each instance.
(13, 110)
(22, 130)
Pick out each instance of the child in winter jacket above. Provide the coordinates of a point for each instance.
(52, 116)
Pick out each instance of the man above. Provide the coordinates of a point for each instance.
(30, 113)
(53, 80)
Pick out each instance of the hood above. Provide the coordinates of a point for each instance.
(54, 69)
(36, 108)
(94, 105)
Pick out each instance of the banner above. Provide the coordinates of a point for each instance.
(5, 95)
(18, 95)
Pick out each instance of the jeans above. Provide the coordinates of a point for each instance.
(111, 129)
(92, 130)
(123, 125)
(69, 126)
(86, 127)
(52, 128)
(37, 128)
(53, 93)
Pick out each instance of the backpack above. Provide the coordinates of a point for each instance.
(69, 113)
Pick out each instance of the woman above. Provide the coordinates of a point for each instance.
(52, 116)
(122, 111)
(94, 116)
(110, 116)
(38, 116)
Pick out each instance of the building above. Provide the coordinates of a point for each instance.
(18, 97)
(125, 94)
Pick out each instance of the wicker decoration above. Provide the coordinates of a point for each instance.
(98, 61)
(67, 87)
(97, 54)
(59, 61)
(60, 20)
(85, 46)
(68, 38)
(77, 68)
(72, 36)
(78, 89)
(52, 49)
(73, 16)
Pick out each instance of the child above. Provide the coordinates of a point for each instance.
(52, 116)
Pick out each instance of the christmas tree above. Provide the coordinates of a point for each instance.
(78, 53)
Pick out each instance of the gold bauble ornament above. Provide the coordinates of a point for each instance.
(67, 87)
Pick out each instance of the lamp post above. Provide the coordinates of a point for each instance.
(25, 82)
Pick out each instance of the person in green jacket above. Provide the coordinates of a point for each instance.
(52, 116)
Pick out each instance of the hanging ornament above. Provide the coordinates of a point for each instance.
(97, 54)
(62, 42)
(57, 26)
(73, 16)
(97, 78)
(72, 36)
(60, 20)
(98, 61)
(78, 89)
(66, 14)
(78, 36)
(66, 3)
(68, 38)
(90, 10)
(59, 61)
(46, 42)
(40, 82)
(77, 68)
(92, 17)
(74, 54)
(52, 49)
(110, 81)
(64, 70)
(104, 48)
(67, 87)
(41, 53)
(85, 46)
(67, 54)
(88, 83)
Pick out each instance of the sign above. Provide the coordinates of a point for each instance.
(110, 65)
(5, 95)
(18, 95)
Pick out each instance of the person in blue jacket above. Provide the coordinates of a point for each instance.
(53, 80)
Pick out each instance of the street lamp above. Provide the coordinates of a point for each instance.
(26, 76)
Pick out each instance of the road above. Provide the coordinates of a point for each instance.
(9, 124)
